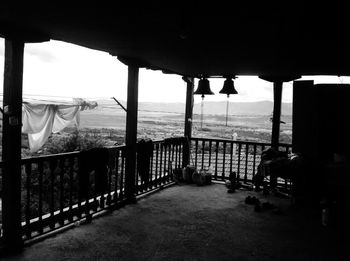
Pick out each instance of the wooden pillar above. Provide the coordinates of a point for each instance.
(188, 119)
(131, 133)
(276, 118)
(277, 102)
(189, 106)
(11, 144)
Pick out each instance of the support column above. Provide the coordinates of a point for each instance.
(131, 133)
(276, 118)
(188, 119)
(189, 106)
(11, 144)
(277, 101)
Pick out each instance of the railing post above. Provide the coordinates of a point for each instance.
(131, 133)
(11, 144)
(188, 120)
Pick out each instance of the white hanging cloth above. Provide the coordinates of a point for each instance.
(40, 120)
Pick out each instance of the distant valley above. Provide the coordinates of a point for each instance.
(250, 120)
(213, 108)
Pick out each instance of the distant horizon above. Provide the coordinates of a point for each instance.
(223, 101)
(49, 98)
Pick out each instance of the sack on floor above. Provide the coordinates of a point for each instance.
(177, 175)
(203, 177)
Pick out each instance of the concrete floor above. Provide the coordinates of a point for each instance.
(188, 222)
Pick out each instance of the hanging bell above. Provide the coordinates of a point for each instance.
(228, 87)
(203, 87)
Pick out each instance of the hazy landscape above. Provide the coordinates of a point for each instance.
(250, 120)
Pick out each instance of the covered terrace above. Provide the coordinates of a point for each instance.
(277, 43)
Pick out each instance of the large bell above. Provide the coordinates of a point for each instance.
(228, 87)
(203, 87)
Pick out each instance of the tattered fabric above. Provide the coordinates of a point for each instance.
(40, 120)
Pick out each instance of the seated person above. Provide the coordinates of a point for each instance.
(277, 164)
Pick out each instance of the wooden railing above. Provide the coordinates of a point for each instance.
(226, 156)
(166, 156)
(51, 191)
(52, 194)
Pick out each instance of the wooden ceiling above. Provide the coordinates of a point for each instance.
(196, 38)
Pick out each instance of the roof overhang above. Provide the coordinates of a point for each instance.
(190, 40)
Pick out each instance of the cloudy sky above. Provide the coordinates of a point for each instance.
(59, 69)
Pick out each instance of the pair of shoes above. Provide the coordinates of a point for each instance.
(264, 206)
(252, 200)
(230, 190)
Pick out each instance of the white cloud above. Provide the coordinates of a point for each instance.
(158, 87)
(43, 52)
(2, 47)
(74, 72)
(2, 50)
(60, 69)
(327, 79)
